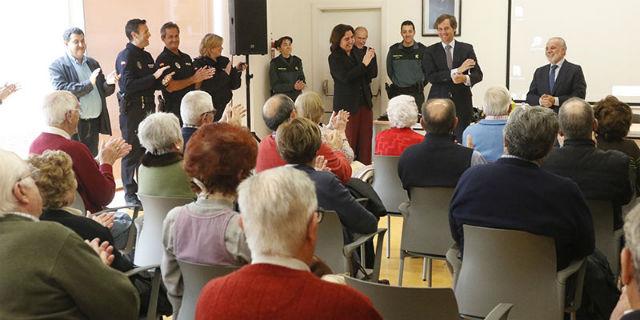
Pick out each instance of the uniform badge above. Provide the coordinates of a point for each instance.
(417, 56)
(122, 63)
(178, 65)
(296, 68)
(188, 63)
(139, 65)
(150, 65)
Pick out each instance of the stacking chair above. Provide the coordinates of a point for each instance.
(131, 233)
(515, 267)
(387, 185)
(195, 277)
(149, 245)
(607, 239)
(417, 303)
(331, 249)
(79, 204)
(155, 288)
(425, 231)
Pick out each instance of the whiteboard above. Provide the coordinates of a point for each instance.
(601, 36)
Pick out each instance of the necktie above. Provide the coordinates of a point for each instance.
(552, 77)
(449, 56)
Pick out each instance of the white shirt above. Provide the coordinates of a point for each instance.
(467, 82)
(58, 131)
(556, 101)
(287, 262)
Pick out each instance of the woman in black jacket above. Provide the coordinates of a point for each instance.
(349, 72)
(225, 79)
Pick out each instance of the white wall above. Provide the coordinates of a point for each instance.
(484, 24)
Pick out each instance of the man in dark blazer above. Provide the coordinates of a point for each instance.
(628, 307)
(81, 75)
(551, 89)
(452, 69)
(514, 192)
(601, 175)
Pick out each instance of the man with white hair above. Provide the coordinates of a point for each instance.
(280, 219)
(96, 185)
(403, 113)
(196, 109)
(47, 270)
(558, 81)
(486, 135)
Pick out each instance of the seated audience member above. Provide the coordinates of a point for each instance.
(600, 175)
(280, 219)
(614, 120)
(278, 110)
(49, 272)
(628, 307)
(95, 180)
(309, 105)
(514, 192)
(298, 142)
(403, 113)
(196, 109)
(437, 161)
(208, 230)
(161, 173)
(486, 135)
(57, 185)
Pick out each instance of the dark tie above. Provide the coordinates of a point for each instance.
(449, 56)
(552, 77)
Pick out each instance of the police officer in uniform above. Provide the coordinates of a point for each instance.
(285, 71)
(139, 79)
(406, 65)
(185, 75)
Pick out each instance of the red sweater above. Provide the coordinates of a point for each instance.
(265, 291)
(392, 142)
(95, 183)
(268, 157)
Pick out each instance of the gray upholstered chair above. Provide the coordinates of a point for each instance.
(195, 277)
(607, 239)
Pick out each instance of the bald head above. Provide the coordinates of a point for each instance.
(576, 119)
(277, 110)
(439, 116)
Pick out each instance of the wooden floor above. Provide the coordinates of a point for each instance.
(412, 266)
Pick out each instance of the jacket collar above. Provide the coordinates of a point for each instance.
(579, 143)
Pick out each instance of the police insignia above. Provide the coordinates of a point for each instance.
(139, 65)
(417, 56)
(178, 65)
(296, 68)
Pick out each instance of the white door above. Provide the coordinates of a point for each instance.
(324, 21)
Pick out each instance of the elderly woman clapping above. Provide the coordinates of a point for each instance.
(403, 114)
(161, 173)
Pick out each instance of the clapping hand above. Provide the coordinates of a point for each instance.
(105, 219)
(320, 164)
(104, 250)
(466, 65)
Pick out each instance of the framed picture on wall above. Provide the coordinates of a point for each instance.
(432, 9)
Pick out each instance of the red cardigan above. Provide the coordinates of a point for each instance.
(265, 291)
(95, 183)
(268, 157)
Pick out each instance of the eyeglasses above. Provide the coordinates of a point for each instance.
(32, 172)
(320, 214)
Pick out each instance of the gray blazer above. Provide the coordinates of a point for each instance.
(64, 77)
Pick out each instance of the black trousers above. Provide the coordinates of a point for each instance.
(88, 134)
(132, 112)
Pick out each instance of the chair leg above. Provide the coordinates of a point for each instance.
(424, 269)
(401, 270)
(388, 235)
(430, 272)
(153, 299)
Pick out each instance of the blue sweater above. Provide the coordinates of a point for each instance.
(487, 138)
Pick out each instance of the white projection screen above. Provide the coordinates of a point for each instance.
(602, 36)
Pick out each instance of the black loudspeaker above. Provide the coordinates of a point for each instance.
(248, 27)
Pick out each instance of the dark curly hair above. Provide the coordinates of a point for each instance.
(614, 118)
(220, 155)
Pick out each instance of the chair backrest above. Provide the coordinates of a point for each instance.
(195, 277)
(78, 203)
(508, 266)
(426, 228)
(407, 303)
(386, 182)
(330, 244)
(149, 246)
(606, 240)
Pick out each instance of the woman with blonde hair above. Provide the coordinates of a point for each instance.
(226, 77)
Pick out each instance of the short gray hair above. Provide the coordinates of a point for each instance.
(530, 132)
(159, 133)
(276, 206)
(402, 111)
(497, 101)
(193, 105)
(439, 121)
(632, 238)
(56, 105)
(12, 168)
(277, 110)
(576, 119)
(561, 40)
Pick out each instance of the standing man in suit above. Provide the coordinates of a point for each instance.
(361, 35)
(452, 69)
(558, 81)
(81, 75)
